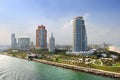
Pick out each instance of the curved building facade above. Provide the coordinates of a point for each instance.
(79, 35)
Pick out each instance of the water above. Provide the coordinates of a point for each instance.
(4, 47)
(118, 46)
(19, 69)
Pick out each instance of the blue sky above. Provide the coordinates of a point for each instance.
(23, 16)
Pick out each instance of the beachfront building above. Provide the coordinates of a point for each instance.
(79, 35)
(13, 41)
(79, 38)
(52, 44)
(41, 37)
(24, 44)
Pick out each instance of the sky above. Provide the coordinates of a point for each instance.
(102, 19)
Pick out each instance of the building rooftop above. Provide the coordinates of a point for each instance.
(78, 17)
(41, 27)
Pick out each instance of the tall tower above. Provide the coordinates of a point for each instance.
(52, 43)
(79, 35)
(13, 41)
(41, 37)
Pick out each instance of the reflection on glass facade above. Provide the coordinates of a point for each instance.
(41, 37)
(79, 35)
(42, 33)
(13, 41)
(23, 43)
(52, 43)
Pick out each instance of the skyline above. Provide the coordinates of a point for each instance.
(23, 16)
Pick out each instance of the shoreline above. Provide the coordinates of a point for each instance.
(83, 69)
(78, 68)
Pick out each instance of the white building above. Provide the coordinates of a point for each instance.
(13, 41)
(114, 49)
(23, 44)
(52, 43)
(81, 52)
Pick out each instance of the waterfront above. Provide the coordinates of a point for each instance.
(18, 69)
(4, 47)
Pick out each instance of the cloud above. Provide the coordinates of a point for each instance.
(98, 34)
(68, 24)
(86, 15)
(64, 31)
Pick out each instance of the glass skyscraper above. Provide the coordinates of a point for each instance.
(41, 37)
(52, 43)
(79, 35)
(13, 41)
(24, 44)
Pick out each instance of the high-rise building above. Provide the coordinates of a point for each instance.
(31, 45)
(41, 37)
(24, 44)
(52, 43)
(79, 35)
(13, 41)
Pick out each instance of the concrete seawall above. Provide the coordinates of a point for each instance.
(84, 69)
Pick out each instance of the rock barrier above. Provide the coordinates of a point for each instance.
(83, 69)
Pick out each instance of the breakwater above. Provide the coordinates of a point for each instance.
(84, 69)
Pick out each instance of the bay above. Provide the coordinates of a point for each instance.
(12, 68)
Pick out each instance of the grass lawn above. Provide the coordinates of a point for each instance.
(97, 62)
(106, 68)
(117, 64)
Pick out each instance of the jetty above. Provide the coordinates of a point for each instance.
(83, 69)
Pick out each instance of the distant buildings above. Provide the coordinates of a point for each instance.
(79, 35)
(31, 45)
(64, 47)
(114, 49)
(52, 43)
(41, 37)
(24, 44)
(13, 41)
(79, 39)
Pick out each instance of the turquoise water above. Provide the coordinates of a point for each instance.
(19, 69)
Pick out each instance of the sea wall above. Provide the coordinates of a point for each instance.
(84, 69)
